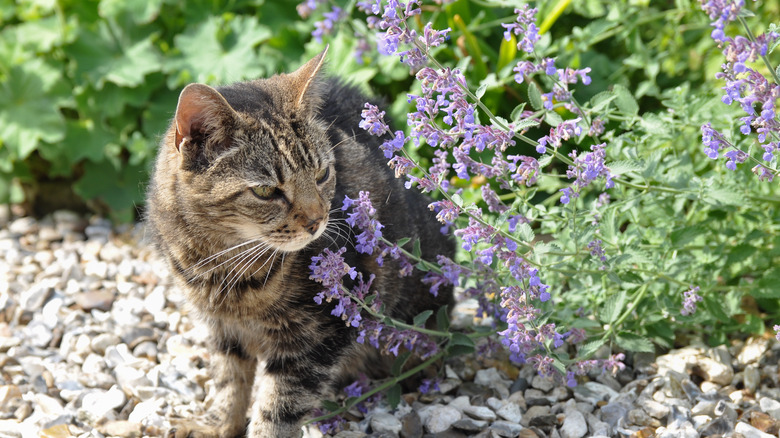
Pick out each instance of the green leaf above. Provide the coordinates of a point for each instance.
(403, 241)
(613, 307)
(218, 51)
(460, 344)
(601, 100)
(394, 396)
(419, 320)
(329, 405)
(481, 90)
(534, 96)
(622, 167)
(399, 362)
(29, 100)
(443, 319)
(682, 236)
(507, 52)
(724, 196)
(740, 253)
(715, 308)
(457, 200)
(633, 342)
(417, 251)
(99, 58)
(525, 232)
(625, 101)
(140, 11)
(590, 348)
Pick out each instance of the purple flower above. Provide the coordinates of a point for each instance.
(389, 147)
(777, 330)
(690, 298)
(373, 121)
(362, 217)
(587, 168)
(525, 28)
(325, 26)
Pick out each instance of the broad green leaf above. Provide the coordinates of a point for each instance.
(683, 236)
(525, 232)
(141, 11)
(715, 308)
(460, 344)
(724, 196)
(399, 362)
(29, 101)
(534, 96)
(634, 342)
(219, 51)
(481, 90)
(590, 348)
(417, 250)
(601, 100)
(613, 307)
(99, 58)
(443, 319)
(622, 167)
(330, 405)
(625, 101)
(394, 396)
(421, 317)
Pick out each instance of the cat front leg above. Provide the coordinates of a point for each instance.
(233, 373)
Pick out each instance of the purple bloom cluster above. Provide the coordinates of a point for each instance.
(596, 250)
(391, 339)
(586, 169)
(612, 364)
(389, 18)
(525, 28)
(777, 330)
(325, 26)
(756, 95)
(690, 298)
(362, 217)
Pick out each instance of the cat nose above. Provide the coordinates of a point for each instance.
(312, 226)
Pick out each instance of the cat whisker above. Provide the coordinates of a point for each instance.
(342, 142)
(220, 253)
(247, 258)
(239, 255)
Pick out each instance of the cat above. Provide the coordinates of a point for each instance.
(247, 187)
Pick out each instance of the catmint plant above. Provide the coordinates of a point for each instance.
(547, 201)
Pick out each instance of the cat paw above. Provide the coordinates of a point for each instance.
(194, 430)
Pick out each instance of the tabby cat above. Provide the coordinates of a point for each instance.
(247, 187)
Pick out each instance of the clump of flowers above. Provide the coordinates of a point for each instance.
(756, 95)
(690, 298)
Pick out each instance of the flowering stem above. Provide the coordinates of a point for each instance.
(752, 38)
(387, 384)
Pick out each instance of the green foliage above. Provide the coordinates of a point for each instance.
(88, 88)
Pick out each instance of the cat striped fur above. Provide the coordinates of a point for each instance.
(247, 187)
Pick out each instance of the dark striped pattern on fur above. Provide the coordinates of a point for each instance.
(243, 259)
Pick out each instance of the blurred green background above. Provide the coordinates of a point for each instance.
(88, 87)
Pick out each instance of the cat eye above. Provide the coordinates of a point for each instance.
(322, 175)
(265, 192)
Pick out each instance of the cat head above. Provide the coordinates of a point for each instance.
(254, 160)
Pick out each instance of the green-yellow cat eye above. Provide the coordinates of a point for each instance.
(322, 175)
(264, 192)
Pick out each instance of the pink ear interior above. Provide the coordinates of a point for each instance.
(200, 108)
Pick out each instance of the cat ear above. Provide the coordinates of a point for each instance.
(306, 87)
(201, 112)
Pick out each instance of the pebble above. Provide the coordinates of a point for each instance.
(95, 341)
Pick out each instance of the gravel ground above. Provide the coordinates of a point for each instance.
(95, 341)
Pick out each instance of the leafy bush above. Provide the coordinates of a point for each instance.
(87, 88)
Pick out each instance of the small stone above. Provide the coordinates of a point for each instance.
(102, 341)
(121, 428)
(764, 422)
(147, 350)
(544, 421)
(480, 413)
(510, 412)
(23, 225)
(749, 431)
(8, 393)
(594, 392)
(613, 412)
(469, 425)
(411, 426)
(574, 425)
(640, 418)
(460, 403)
(768, 405)
(714, 371)
(442, 418)
(135, 335)
(718, 426)
(751, 378)
(753, 351)
(58, 431)
(99, 299)
(544, 384)
(386, 423)
(97, 405)
(654, 409)
(49, 405)
(506, 428)
(520, 384)
(533, 412)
